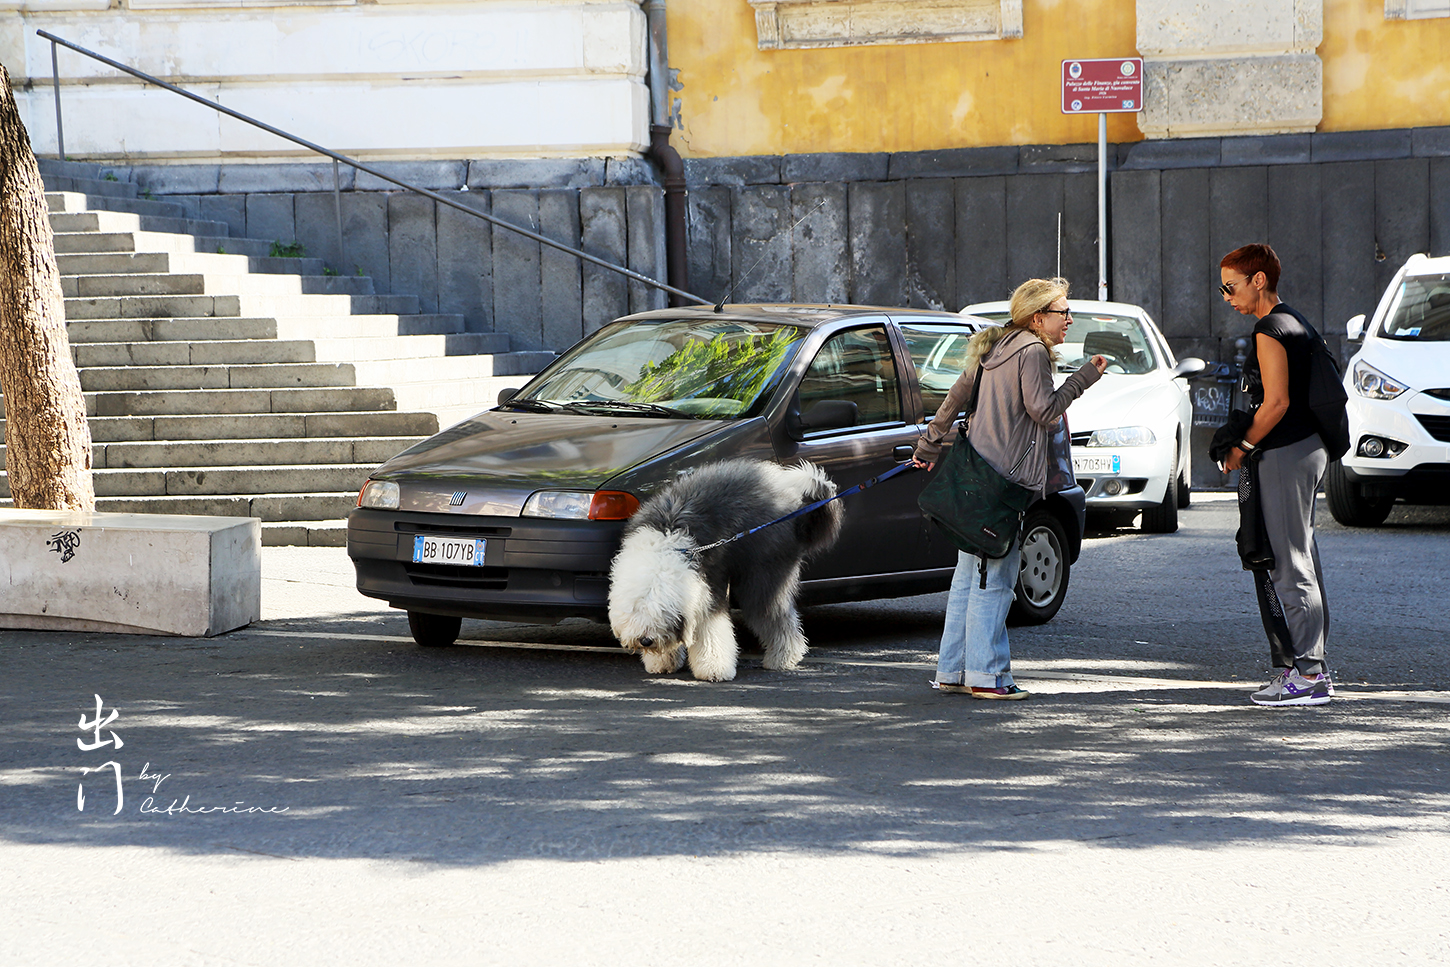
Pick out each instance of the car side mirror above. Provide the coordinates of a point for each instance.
(823, 415)
(1354, 329)
(506, 394)
(1189, 366)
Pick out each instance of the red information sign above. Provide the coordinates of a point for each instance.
(1111, 85)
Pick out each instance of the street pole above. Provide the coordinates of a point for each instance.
(1102, 206)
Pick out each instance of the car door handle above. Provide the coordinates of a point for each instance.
(902, 453)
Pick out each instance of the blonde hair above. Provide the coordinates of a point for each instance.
(1030, 298)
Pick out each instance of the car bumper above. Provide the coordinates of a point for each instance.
(1420, 473)
(1142, 472)
(533, 569)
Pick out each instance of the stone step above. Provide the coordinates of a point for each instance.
(172, 306)
(102, 379)
(297, 452)
(98, 187)
(202, 328)
(225, 481)
(101, 221)
(341, 399)
(75, 169)
(76, 201)
(88, 242)
(305, 534)
(259, 351)
(237, 282)
(291, 508)
(259, 426)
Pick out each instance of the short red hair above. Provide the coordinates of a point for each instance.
(1253, 259)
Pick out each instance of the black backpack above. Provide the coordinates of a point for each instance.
(1327, 399)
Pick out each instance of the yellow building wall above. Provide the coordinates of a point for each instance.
(1383, 73)
(739, 100)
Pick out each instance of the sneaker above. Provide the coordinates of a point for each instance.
(949, 686)
(1290, 688)
(1009, 693)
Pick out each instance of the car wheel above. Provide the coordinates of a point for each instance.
(1042, 581)
(1185, 488)
(433, 629)
(1163, 519)
(1348, 503)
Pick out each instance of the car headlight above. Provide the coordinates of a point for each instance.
(581, 505)
(379, 495)
(1123, 436)
(1375, 385)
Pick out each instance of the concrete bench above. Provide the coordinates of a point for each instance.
(133, 573)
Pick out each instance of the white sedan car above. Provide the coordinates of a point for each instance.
(1399, 400)
(1130, 431)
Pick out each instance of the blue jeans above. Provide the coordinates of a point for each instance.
(974, 648)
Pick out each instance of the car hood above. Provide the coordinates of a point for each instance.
(539, 450)
(1419, 365)
(1116, 400)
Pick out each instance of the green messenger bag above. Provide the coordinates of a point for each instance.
(979, 509)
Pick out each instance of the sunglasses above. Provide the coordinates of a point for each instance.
(1227, 288)
(1060, 312)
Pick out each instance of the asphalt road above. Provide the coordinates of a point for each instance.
(533, 797)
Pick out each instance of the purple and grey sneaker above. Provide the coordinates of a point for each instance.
(1290, 688)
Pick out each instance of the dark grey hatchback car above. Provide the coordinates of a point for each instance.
(516, 513)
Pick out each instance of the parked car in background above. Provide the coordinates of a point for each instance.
(1130, 431)
(516, 513)
(1399, 400)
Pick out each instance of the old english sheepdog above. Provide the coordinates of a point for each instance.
(669, 600)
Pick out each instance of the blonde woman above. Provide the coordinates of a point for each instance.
(1015, 410)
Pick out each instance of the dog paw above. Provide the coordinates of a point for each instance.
(661, 663)
(715, 675)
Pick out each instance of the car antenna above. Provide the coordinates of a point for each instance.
(720, 306)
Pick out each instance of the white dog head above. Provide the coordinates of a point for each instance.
(655, 594)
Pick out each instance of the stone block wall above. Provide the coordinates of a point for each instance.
(949, 228)
(454, 263)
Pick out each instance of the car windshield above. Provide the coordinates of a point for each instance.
(1421, 310)
(710, 369)
(1121, 339)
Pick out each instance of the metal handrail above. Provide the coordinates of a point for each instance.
(336, 157)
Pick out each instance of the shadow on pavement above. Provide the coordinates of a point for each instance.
(470, 755)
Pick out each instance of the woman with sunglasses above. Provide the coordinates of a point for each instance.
(1284, 441)
(1016, 409)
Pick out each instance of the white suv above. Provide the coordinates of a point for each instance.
(1399, 400)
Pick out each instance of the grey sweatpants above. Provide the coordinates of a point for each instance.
(1291, 596)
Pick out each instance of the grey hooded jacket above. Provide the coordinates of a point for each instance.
(1016, 408)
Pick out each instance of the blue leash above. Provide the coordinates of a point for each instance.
(863, 485)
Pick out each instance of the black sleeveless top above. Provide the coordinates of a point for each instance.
(1290, 329)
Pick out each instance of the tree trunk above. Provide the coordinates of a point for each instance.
(47, 439)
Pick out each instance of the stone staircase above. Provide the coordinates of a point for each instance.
(220, 379)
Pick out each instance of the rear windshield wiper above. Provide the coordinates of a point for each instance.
(533, 406)
(630, 406)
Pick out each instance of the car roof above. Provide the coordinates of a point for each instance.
(806, 315)
(1422, 264)
(1076, 305)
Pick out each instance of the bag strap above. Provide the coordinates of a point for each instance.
(972, 403)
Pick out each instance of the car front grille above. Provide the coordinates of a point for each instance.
(462, 529)
(1081, 439)
(1438, 426)
(1440, 394)
(450, 576)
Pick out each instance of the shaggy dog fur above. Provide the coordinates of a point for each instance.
(669, 601)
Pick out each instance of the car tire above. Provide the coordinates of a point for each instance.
(1185, 488)
(1348, 503)
(1163, 519)
(1042, 581)
(433, 629)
